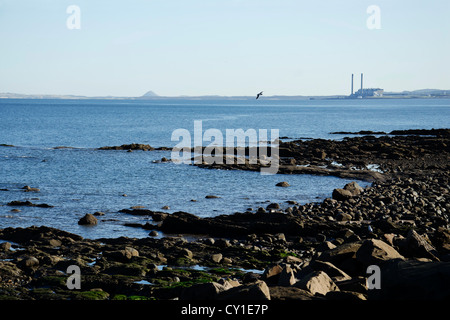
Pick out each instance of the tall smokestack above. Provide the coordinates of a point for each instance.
(362, 85)
(352, 84)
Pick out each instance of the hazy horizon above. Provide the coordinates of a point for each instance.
(225, 48)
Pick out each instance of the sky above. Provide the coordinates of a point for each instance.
(222, 47)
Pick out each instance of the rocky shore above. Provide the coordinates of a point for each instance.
(315, 251)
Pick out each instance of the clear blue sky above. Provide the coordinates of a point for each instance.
(223, 47)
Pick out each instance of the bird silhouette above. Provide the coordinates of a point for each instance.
(259, 94)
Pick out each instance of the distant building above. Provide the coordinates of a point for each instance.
(368, 92)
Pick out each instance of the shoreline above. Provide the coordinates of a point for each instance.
(400, 223)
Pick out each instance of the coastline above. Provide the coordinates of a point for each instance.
(316, 251)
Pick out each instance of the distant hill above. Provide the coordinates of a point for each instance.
(421, 93)
(150, 94)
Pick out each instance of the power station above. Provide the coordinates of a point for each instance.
(363, 93)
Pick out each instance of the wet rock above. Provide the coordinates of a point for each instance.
(29, 189)
(88, 219)
(283, 184)
(273, 206)
(133, 146)
(28, 204)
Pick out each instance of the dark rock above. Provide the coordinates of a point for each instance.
(345, 296)
(29, 189)
(282, 184)
(341, 194)
(88, 219)
(203, 291)
(133, 146)
(287, 277)
(417, 246)
(413, 280)
(5, 246)
(273, 206)
(289, 293)
(28, 204)
(376, 252)
(272, 274)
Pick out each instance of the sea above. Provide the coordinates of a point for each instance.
(52, 145)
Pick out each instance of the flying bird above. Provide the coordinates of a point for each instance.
(259, 94)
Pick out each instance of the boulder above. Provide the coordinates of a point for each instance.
(217, 257)
(122, 255)
(9, 271)
(5, 246)
(272, 273)
(342, 216)
(374, 251)
(334, 272)
(413, 280)
(283, 184)
(287, 277)
(354, 188)
(317, 282)
(417, 246)
(340, 253)
(254, 291)
(88, 219)
(273, 206)
(29, 262)
(341, 194)
(29, 189)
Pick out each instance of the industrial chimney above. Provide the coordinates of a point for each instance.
(352, 84)
(362, 95)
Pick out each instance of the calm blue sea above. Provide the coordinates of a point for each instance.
(80, 179)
